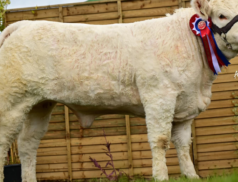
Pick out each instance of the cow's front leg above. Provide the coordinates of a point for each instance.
(181, 137)
(159, 116)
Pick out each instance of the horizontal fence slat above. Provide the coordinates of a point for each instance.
(148, 171)
(53, 143)
(100, 157)
(213, 113)
(230, 86)
(234, 60)
(90, 9)
(90, 166)
(30, 15)
(94, 149)
(222, 121)
(220, 164)
(91, 17)
(217, 147)
(57, 118)
(225, 95)
(211, 156)
(225, 78)
(52, 151)
(112, 139)
(217, 130)
(93, 141)
(223, 104)
(144, 4)
(148, 12)
(97, 125)
(132, 20)
(231, 69)
(217, 138)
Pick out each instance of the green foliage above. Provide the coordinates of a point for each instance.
(3, 6)
(34, 12)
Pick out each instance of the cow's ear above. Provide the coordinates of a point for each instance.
(202, 8)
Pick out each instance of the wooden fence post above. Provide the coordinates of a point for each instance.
(5, 19)
(128, 133)
(66, 110)
(61, 18)
(195, 155)
(119, 11)
(182, 4)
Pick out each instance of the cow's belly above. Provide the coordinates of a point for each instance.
(184, 110)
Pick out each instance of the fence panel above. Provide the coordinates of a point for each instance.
(65, 149)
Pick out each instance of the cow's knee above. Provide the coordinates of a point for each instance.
(163, 142)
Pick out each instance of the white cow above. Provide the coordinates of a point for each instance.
(155, 68)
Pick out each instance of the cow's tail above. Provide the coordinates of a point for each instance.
(9, 30)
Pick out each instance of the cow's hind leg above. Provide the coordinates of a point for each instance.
(33, 130)
(181, 137)
(11, 123)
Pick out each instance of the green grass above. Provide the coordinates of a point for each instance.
(225, 178)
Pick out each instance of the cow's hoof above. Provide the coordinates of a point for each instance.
(193, 176)
(161, 178)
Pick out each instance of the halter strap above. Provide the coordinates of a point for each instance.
(225, 29)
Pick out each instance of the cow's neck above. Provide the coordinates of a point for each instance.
(197, 51)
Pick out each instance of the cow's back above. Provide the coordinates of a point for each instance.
(77, 63)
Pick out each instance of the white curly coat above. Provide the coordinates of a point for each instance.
(155, 68)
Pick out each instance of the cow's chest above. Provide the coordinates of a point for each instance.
(190, 105)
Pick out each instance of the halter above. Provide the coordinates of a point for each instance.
(224, 30)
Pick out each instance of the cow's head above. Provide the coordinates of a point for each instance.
(221, 12)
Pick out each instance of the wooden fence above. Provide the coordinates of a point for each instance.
(65, 149)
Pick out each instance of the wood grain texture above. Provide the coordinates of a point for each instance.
(100, 157)
(218, 147)
(211, 139)
(83, 166)
(54, 151)
(66, 109)
(129, 146)
(221, 121)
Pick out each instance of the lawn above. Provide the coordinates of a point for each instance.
(225, 178)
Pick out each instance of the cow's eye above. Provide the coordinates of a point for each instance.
(222, 17)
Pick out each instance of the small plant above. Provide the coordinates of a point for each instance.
(34, 12)
(3, 7)
(116, 173)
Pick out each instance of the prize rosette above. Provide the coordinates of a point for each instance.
(215, 57)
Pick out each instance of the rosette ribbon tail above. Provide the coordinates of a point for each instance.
(216, 59)
(219, 53)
